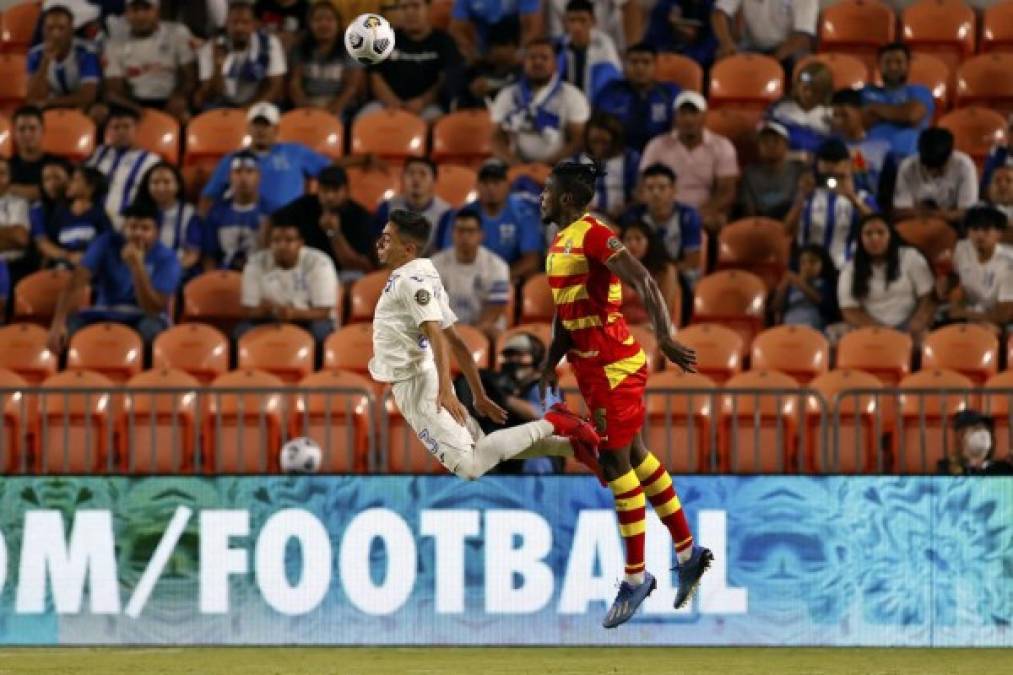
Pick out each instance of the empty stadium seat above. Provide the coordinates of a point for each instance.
(734, 298)
(36, 295)
(463, 137)
(757, 245)
(198, 349)
(350, 348)
(478, 345)
(365, 294)
(389, 134)
(738, 126)
(156, 432)
(317, 129)
(17, 26)
(75, 434)
(976, 131)
(985, 80)
(13, 82)
(536, 300)
(455, 184)
(997, 405)
(214, 298)
(932, 73)
(857, 27)
(281, 349)
(719, 350)
(158, 132)
(879, 351)
(69, 133)
(679, 420)
(798, 351)
(851, 423)
(997, 27)
(242, 430)
(369, 187)
(680, 70)
(746, 81)
(759, 425)
(849, 72)
(114, 350)
(926, 411)
(18, 413)
(213, 134)
(945, 28)
(934, 237)
(340, 421)
(23, 350)
(966, 348)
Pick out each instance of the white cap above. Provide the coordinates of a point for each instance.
(776, 127)
(268, 111)
(690, 98)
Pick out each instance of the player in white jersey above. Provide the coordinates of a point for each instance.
(413, 330)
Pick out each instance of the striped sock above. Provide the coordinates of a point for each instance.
(630, 507)
(659, 489)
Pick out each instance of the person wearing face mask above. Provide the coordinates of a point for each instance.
(974, 450)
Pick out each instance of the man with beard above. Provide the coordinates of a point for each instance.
(897, 111)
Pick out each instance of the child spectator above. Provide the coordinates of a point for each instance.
(63, 238)
(645, 245)
(234, 226)
(808, 297)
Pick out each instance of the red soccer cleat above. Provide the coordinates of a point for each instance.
(588, 456)
(573, 426)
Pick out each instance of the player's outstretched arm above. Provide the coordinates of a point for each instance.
(460, 351)
(445, 396)
(560, 344)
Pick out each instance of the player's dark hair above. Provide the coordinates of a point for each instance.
(833, 150)
(424, 161)
(141, 210)
(122, 112)
(894, 47)
(29, 111)
(851, 98)
(413, 226)
(642, 48)
(577, 180)
(659, 169)
(863, 261)
(580, 6)
(469, 213)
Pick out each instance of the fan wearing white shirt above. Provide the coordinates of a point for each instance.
(982, 272)
(413, 331)
(14, 230)
(1000, 191)
(938, 182)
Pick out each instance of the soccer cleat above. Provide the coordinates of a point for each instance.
(567, 423)
(690, 573)
(588, 456)
(628, 601)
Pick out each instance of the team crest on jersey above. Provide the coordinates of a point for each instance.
(614, 244)
(422, 296)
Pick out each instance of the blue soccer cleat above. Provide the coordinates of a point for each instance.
(690, 573)
(628, 601)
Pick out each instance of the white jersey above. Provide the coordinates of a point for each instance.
(984, 283)
(413, 295)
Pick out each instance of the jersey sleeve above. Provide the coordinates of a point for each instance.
(419, 297)
(601, 243)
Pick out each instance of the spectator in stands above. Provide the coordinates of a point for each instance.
(511, 224)
(982, 271)
(472, 23)
(416, 75)
(644, 244)
(498, 67)
(284, 167)
(29, 157)
(43, 214)
(605, 144)
(122, 161)
(418, 195)
(871, 158)
(332, 222)
(828, 206)
(808, 296)
(587, 57)
(63, 238)
(938, 182)
(897, 111)
(999, 156)
(134, 278)
(14, 230)
(241, 67)
(284, 18)
(1000, 191)
(807, 112)
(769, 185)
(203, 18)
(234, 225)
(785, 30)
(642, 103)
(321, 73)
(63, 71)
(621, 20)
(541, 118)
(974, 452)
(5, 290)
(683, 27)
(886, 284)
(153, 67)
(291, 283)
(477, 280)
(676, 225)
(705, 162)
(179, 227)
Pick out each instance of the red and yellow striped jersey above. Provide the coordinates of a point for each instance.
(588, 295)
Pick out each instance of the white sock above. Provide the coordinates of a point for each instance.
(634, 579)
(502, 445)
(684, 555)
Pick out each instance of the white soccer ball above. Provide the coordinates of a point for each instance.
(301, 455)
(369, 39)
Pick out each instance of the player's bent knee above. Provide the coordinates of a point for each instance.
(467, 470)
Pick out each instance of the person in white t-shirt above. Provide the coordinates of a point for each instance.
(938, 182)
(886, 284)
(784, 29)
(1000, 191)
(477, 280)
(290, 282)
(14, 228)
(413, 332)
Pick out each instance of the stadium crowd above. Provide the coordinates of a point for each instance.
(861, 176)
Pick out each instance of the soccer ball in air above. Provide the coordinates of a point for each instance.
(369, 39)
(301, 455)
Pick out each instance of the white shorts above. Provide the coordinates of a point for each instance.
(447, 440)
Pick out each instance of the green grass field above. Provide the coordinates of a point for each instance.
(508, 661)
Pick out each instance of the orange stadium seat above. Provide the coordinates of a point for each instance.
(462, 137)
(36, 295)
(997, 27)
(757, 245)
(69, 133)
(857, 27)
(214, 298)
(350, 348)
(932, 73)
(13, 82)
(110, 349)
(17, 26)
(197, 349)
(536, 171)
(738, 126)
(315, 128)
(678, 428)
(76, 429)
(932, 236)
(439, 13)
(997, 405)
(477, 343)
(281, 349)
(536, 300)
(945, 28)
(985, 80)
(967, 348)
(851, 421)
(390, 134)
(719, 350)
(455, 184)
(365, 294)
(926, 410)
(159, 133)
(734, 298)
(339, 421)
(213, 134)
(405, 452)
(798, 351)
(369, 187)
(849, 72)
(242, 430)
(17, 410)
(976, 130)
(542, 331)
(23, 350)
(6, 141)
(680, 70)
(156, 432)
(880, 351)
(750, 81)
(759, 428)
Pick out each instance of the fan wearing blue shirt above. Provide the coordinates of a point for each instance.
(605, 144)
(683, 27)
(63, 71)
(872, 158)
(234, 225)
(472, 21)
(284, 167)
(897, 111)
(134, 276)
(71, 227)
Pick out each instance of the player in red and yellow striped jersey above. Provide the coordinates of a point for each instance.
(586, 266)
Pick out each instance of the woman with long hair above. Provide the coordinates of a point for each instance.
(74, 222)
(180, 227)
(321, 74)
(645, 245)
(605, 144)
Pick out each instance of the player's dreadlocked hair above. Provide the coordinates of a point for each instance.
(577, 179)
